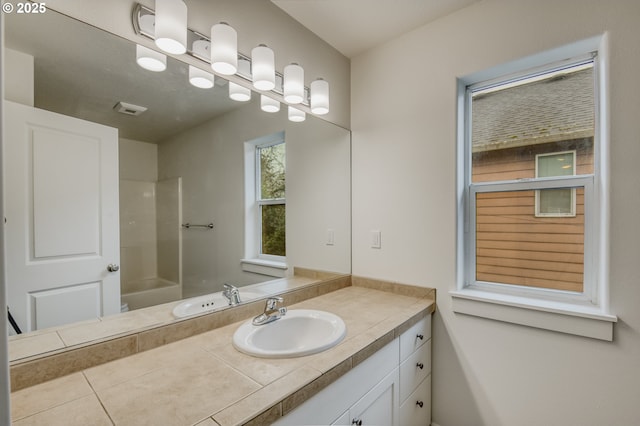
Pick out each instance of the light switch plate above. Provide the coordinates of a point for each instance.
(376, 239)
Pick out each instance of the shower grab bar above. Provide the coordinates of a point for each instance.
(190, 225)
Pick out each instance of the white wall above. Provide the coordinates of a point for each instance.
(210, 160)
(404, 142)
(257, 21)
(18, 77)
(137, 160)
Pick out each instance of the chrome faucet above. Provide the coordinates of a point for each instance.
(270, 313)
(232, 294)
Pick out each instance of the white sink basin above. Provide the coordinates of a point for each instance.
(298, 333)
(209, 302)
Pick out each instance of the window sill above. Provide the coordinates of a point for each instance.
(548, 315)
(265, 267)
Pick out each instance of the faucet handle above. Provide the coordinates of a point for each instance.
(272, 301)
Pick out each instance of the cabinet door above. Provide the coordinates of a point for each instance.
(380, 405)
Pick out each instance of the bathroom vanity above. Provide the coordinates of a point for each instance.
(381, 368)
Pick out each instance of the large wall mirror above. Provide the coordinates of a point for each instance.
(184, 160)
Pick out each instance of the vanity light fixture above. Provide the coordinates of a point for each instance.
(268, 104)
(171, 26)
(320, 97)
(296, 115)
(200, 78)
(150, 60)
(293, 85)
(224, 49)
(220, 51)
(263, 68)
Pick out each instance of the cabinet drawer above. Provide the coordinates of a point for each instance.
(410, 340)
(411, 413)
(410, 372)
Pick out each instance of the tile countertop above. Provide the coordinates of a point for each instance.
(204, 380)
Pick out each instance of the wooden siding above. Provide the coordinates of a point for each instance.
(520, 163)
(513, 246)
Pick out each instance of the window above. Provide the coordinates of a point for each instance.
(529, 221)
(265, 206)
(270, 165)
(556, 202)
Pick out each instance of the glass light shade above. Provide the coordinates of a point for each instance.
(319, 97)
(263, 68)
(200, 78)
(239, 93)
(268, 104)
(293, 85)
(150, 60)
(171, 26)
(296, 115)
(224, 49)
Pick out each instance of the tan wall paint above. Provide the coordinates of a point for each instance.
(404, 183)
(257, 21)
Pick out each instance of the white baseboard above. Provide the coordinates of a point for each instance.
(435, 424)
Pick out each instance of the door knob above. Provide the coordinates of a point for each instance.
(112, 267)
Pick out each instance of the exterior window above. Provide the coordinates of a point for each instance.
(270, 164)
(556, 202)
(530, 180)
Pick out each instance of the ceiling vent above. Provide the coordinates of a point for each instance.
(129, 109)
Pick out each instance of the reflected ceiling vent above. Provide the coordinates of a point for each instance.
(129, 109)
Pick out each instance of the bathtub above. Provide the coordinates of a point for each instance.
(150, 292)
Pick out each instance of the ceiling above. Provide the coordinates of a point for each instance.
(354, 26)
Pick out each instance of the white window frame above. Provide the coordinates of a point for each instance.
(260, 202)
(572, 213)
(254, 260)
(587, 313)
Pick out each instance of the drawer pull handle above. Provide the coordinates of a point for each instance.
(356, 422)
(420, 403)
(420, 365)
(420, 336)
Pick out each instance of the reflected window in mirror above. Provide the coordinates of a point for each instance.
(265, 205)
(270, 162)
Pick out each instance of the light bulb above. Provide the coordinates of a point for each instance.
(268, 104)
(296, 115)
(150, 60)
(319, 97)
(200, 78)
(263, 68)
(239, 93)
(293, 85)
(171, 26)
(224, 49)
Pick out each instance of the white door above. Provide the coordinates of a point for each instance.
(61, 214)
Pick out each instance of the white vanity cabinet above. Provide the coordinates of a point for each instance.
(391, 387)
(415, 374)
